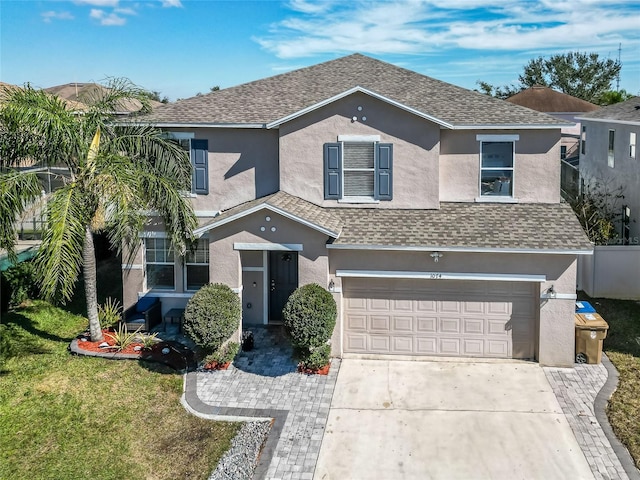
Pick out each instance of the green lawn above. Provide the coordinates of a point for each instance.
(622, 346)
(69, 417)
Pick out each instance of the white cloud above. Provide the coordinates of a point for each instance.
(51, 15)
(171, 3)
(98, 3)
(107, 19)
(422, 26)
(125, 11)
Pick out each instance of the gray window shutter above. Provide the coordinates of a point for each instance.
(384, 172)
(332, 171)
(200, 161)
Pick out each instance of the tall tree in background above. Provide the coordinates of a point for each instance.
(117, 172)
(582, 75)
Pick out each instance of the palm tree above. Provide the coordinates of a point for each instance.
(118, 172)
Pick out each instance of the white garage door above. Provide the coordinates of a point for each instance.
(440, 317)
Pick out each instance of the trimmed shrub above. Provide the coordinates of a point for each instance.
(19, 284)
(310, 316)
(225, 354)
(317, 357)
(212, 316)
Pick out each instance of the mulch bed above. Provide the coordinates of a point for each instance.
(320, 371)
(178, 357)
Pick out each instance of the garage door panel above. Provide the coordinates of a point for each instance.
(402, 345)
(356, 322)
(427, 317)
(402, 324)
(450, 346)
(380, 343)
(450, 325)
(426, 346)
(474, 326)
(427, 324)
(380, 323)
(474, 347)
(356, 343)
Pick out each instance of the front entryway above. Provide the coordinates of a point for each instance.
(283, 280)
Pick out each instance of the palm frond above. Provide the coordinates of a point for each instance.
(17, 192)
(59, 258)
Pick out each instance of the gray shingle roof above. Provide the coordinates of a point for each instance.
(628, 111)
(300, 209)
(270, 99)
(467, 225)
(454, 225)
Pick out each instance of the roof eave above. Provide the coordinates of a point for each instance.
(523, 126)
(265, 206)
(434, 248)
(610, 120)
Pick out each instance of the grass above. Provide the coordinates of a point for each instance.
(622, 346)
(68, 417)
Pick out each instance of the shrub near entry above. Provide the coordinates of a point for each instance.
(212, 316)
(310, 317)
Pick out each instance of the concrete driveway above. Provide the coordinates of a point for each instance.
(447, 420)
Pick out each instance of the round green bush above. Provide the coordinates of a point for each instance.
(212, 316)
(310, 316)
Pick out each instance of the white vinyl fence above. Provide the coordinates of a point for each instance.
(611, 272)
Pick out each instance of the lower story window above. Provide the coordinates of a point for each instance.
(160, 263)
(197, 265)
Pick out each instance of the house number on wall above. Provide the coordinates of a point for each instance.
(435, 276)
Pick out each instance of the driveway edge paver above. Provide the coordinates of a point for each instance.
(600, 407)
(230, 414)
(583, 393)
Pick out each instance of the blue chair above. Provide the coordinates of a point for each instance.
(145, 314)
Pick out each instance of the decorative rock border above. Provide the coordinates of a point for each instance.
(239, 462)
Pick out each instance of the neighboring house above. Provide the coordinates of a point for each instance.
(85, 92)
(431, 212)
(561, 106)
(609, 155)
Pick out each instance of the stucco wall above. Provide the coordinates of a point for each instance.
(611, 272)
(243, 165)
(537, 165)
(415, 150)
(625, 172)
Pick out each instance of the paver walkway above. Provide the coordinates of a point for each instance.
(576, 390)
(264, 383)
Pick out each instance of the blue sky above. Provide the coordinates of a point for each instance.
(182, 47)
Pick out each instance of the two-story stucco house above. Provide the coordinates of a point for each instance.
(431, 212)
(608, 155)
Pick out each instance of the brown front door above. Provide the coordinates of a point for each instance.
(283, 280)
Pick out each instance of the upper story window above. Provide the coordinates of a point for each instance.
(632, 145)
(358, 168)
(497, 165)
(611, 157)
(197, 265)
(583, 140)
(159, 263)
(199, 152)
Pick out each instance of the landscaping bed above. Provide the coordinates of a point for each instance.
(622, 346)
(67, 416)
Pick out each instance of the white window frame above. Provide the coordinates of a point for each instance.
(583, 140)
(372, 139)
(611, 148)
(497, 139)
(632, 144)
(146, 262)
(187, 264)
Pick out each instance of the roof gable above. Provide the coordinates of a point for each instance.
(274, 99)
